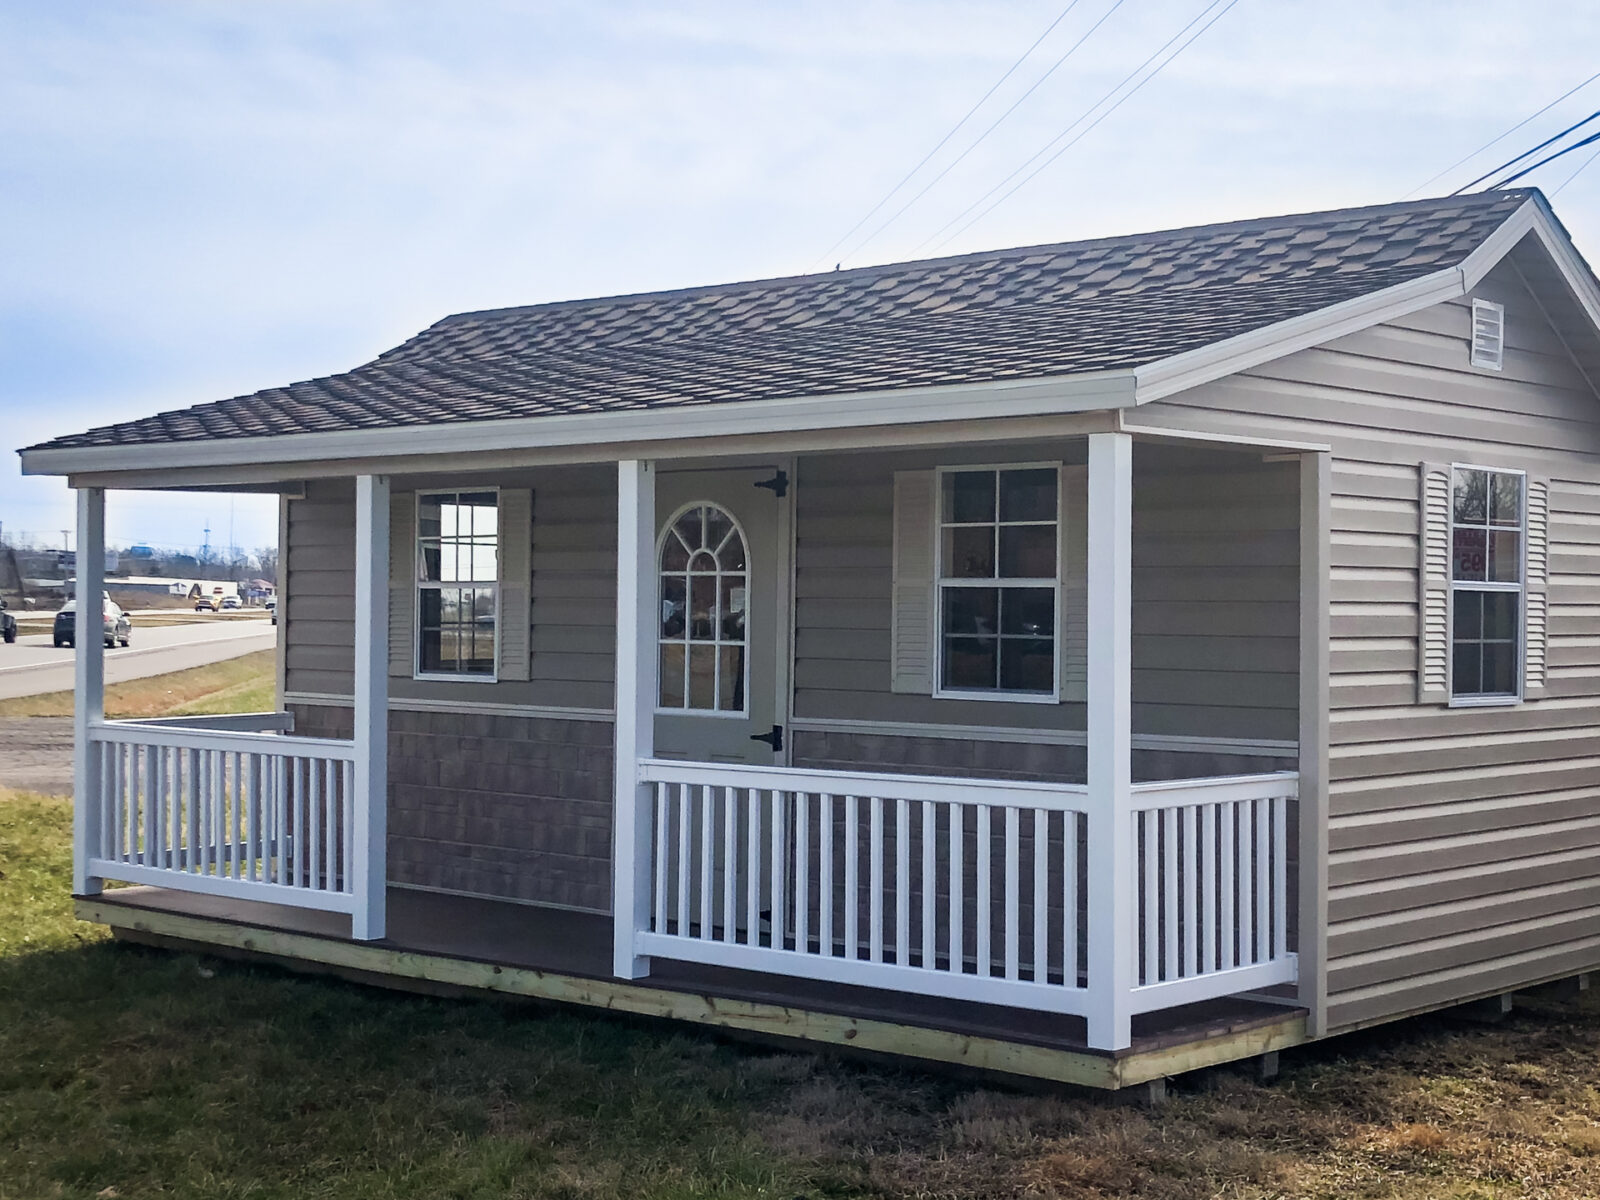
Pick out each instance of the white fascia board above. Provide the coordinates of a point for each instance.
(1183, 371)
(1567, 260)
(1089, 392)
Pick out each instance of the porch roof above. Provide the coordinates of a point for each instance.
(1037, 312)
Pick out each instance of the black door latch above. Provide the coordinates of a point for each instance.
(773, 739)
(778, 485)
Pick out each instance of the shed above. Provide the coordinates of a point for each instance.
(1089, 661)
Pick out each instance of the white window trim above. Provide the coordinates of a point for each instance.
(734, 714)
(1520, 588)
(940, 692)
(417, 586)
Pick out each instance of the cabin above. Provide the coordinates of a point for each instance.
(1089, 661)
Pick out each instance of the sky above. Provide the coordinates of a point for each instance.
(198, 200)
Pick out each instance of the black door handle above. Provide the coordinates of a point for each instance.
(773, 739)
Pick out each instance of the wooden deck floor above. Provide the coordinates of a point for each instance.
(562, 956)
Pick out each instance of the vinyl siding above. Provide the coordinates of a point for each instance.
(1216, 609)
(1464, 844)
(573, 595)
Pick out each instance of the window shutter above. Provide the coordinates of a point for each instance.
(1536, 590)
(1073, 621)
(912, 618)
(402, 582)
(1433, 611)
(1488, 335)
(516, 576)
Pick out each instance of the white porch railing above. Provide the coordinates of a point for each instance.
(1213, 895)
(890, 881)
(252, 815)
(967, 889)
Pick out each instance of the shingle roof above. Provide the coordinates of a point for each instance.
(1038, 311)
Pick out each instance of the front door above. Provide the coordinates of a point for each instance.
(718, 571)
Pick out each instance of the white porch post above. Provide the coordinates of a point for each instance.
(637, 623)
(370, 831)
(89, 687)
(1111, 846)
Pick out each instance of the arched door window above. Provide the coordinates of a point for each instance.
(704, 595)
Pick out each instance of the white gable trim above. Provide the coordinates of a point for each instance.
(1181, 371)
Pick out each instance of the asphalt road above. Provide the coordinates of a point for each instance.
(32, 665)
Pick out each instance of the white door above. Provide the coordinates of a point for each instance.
(721, 599)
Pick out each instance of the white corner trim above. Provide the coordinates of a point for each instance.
(1089, 392)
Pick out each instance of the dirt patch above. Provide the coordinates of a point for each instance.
(36, 754)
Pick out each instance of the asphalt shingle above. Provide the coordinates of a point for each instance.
(1037, 311)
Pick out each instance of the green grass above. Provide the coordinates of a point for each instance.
(127, 1072)
(237, 685)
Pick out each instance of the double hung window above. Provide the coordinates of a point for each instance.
(1487, 574)
(458, 591)
(998, 581)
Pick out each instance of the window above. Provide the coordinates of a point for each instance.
(1486, 583)
(704, 591)
(998, 582)
(458, 588)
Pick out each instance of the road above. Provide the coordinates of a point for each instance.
(32, 665)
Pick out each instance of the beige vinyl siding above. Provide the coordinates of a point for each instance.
(1464, 844)
(573, 593)
(1216, 584)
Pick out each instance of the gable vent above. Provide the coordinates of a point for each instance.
(1488, 334)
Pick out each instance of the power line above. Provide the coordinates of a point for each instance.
(1046, 148)
(954, 129)
(1502, 137)
(1584, 167)
(868, 240)
(1514, 161)
(1592, 138)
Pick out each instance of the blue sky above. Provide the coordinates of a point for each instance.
(199, 200)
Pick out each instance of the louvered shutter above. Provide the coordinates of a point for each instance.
(516, 576)
(1073, 620)
(912, 626)
(402, 582)
(1536, 590)
(1433, 615)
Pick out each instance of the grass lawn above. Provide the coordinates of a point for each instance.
(127, 1072)
(238, 685)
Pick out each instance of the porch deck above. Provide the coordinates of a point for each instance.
(451, 941)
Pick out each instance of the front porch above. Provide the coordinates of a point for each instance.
(1109, 909)
(460, 945)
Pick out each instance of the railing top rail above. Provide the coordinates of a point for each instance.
(137, 733)
(944, 789)
(1173, 793)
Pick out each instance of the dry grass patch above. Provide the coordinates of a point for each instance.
(237, 685)
(168, 1074)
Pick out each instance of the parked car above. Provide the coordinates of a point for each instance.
(117, 625)
(229, 603)
(204, 605)
(8, 623)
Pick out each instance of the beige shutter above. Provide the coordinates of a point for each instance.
(1073, 620)
(516, 577)
(402, 582)
(1536, 589)
(1433, 593)
(912, 619)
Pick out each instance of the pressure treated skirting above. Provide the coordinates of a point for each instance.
(306, 952)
